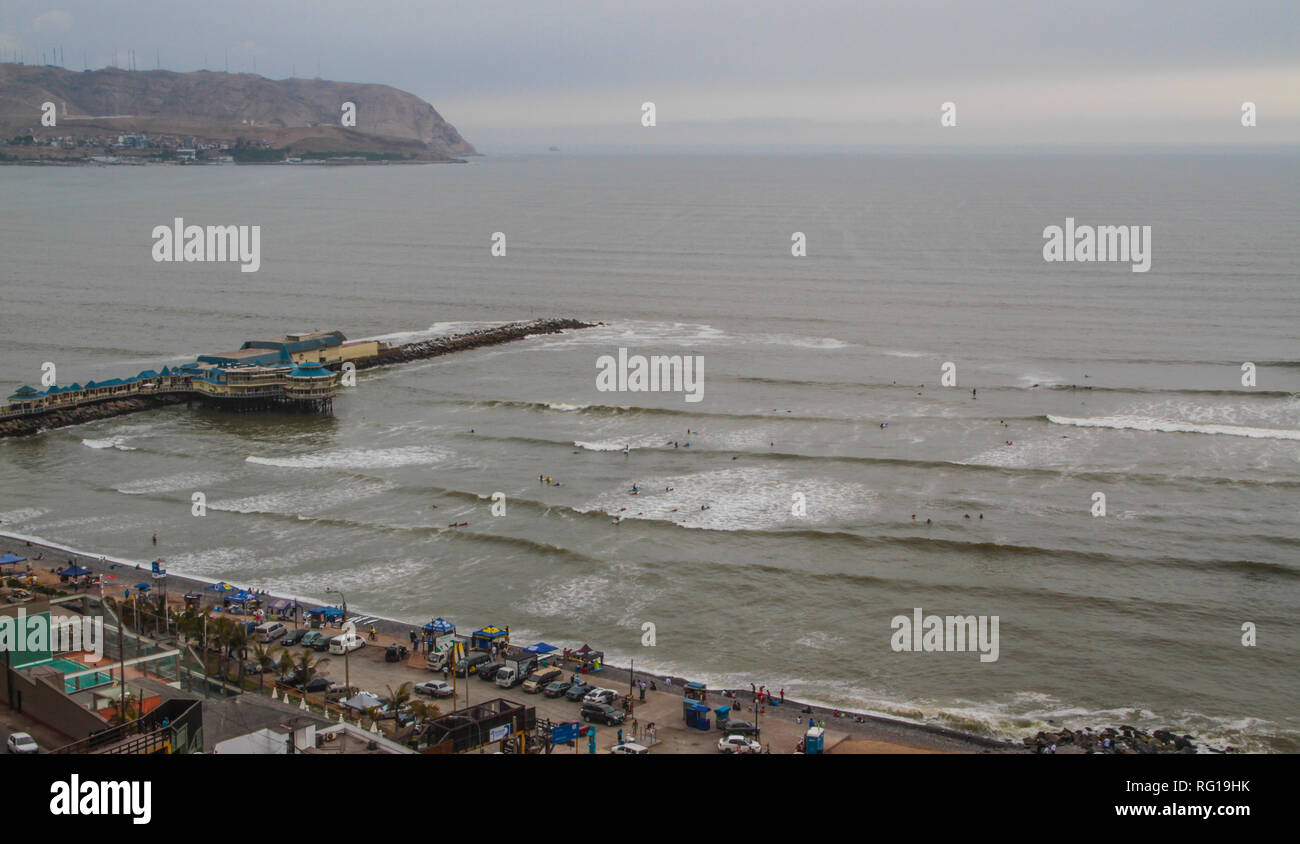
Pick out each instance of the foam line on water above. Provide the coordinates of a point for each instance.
(1175, 426)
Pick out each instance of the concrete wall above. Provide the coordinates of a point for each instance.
(38, 693)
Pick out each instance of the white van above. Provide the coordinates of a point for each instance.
(346, 643)
(269, 632)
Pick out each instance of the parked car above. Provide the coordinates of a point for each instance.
(318, 684)
(737, 727)
(338, 691)
(630, 747)
(602, 713)
(294, 636)
(434, 688)
(396, 653)
(489, 672)
(345, 643)
(21, 743)
(578, 690)
(290, 679)
(468, 665)
(556, 689)
(311, 637)
(600, 696)
(739, 744)
(269, 631)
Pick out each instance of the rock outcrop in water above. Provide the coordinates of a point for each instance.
(1123, 740)
(470, 340)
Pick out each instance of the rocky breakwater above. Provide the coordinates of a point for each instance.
(470, 340)
(1120, 740)
(21, 426)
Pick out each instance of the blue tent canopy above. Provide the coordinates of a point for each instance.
(10, 559)
(221, 587)
(540, 648)
(143, 587)
(440, 625)
(74, 571)
(326, 612)
(241, 596)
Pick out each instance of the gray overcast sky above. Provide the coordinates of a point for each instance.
(759, 72)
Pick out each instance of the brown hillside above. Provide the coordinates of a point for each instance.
(301, 113)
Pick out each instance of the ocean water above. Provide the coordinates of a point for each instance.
(1101, 379)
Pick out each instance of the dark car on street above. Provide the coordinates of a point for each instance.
(317, 684)
(294, 636)
(602, 713)
(489, 672)
(578, 690)
(556, 689)
(737, 727)
(320, 643)
(396, 653)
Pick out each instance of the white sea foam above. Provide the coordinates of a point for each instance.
(634, 333)
(568, 407)
(737, 499)
(171, 483)
(631, 443)
(118, 443)
(358, 458)
(1175, 426)
(304, 502)
(25, 514)
(438, 329)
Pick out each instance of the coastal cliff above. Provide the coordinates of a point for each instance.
(298, 115)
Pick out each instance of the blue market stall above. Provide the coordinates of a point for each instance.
(11, 560)
(320, 616)
(484, 639)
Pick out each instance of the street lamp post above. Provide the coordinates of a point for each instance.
(347, 664)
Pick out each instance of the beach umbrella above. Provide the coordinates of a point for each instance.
(143, 587)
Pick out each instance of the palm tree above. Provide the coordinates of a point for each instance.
(265, 660)
(306, 665)
(399, 698)
(220, 636)
(285, 665)
(238, 641)
(424, 710)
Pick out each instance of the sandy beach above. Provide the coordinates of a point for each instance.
(783, 725)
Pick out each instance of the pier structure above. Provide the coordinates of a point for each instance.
(296, 372)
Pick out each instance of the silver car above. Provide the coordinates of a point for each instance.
(22, 743)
